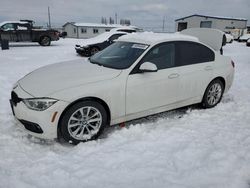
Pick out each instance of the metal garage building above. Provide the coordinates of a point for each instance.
(86, 30)
(225, 24)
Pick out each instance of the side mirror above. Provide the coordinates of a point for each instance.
(148, 67)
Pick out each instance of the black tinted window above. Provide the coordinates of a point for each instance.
(8, 26)
(163, 56)
(127, 30)
(192, 53)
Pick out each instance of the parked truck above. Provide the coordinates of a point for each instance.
(24, 31)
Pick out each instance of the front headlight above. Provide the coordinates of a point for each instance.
(39, 104)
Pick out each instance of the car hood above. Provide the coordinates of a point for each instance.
(95, 40)
(53, 78)
(89, 42)
(99, 38)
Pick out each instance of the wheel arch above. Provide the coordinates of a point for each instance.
(44, 35)
(221, 79)
(216, 78)
(96, 99)
(96, 46)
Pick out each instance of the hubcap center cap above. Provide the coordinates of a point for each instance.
(84, 122)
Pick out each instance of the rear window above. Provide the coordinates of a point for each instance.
(188, 53)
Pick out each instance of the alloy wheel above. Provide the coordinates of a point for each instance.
(214, 94)
(84, 123)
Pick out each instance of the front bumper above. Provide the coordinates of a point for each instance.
(41, 124)
(83, 51)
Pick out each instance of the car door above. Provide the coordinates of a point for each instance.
(146, 91)
(196, 63)
(24, 32)
(8, 32)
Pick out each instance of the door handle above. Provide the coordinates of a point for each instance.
(208, 68)
(175, 75)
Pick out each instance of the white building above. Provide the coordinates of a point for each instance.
(86, 30)
(225, 24)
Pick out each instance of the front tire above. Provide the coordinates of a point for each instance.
(83, 121)
(213, 94)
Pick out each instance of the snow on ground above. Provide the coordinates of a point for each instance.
(189, 147)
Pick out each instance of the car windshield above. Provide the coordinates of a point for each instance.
(119, 55)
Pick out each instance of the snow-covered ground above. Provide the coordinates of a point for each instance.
(190, 147)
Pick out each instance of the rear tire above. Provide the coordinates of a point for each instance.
(213, 94)
(83, 121)
(45, 41)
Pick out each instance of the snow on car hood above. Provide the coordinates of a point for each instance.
(99, 38)
(53, 78)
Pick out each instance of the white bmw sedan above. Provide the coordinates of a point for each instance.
(139, 75)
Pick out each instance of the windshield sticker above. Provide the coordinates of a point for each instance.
(140, 46)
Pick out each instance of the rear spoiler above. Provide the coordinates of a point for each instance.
(214, 38)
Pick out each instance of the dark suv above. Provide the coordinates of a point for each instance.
(24, 31)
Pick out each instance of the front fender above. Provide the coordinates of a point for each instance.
(112, 92)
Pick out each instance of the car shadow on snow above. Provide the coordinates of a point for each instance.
(171, 115)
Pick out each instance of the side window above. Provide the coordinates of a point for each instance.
(8, 27)
(127, 30)
(188, 53)
(114, 37)
(206, 24)
(83, 30)
(95, 31)
(163, 56)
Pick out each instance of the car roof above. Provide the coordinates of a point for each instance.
(150, 38)
(123, 28)
(108, 34)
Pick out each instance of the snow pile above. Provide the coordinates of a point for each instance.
(189, 147)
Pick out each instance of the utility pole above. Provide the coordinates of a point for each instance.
(49, 18)
(115, 18)
(163, 24)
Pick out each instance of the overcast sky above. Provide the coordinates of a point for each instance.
(144, 13)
